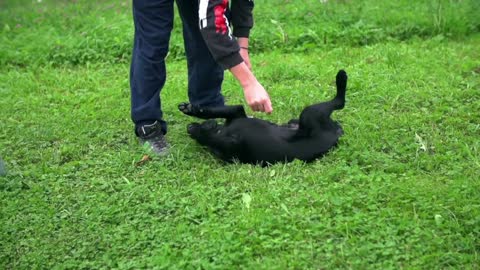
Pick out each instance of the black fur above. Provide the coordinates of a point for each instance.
(255, 141)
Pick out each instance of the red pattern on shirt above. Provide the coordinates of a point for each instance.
(220, 20)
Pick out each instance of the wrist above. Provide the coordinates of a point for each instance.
(248, 83)
(242, 42)
(244, 75)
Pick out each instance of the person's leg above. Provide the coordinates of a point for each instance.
(153, 20)
(205, 76)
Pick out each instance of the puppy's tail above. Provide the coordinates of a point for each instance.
(341, 81)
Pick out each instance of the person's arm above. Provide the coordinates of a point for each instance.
(243, 43)
(225, 49)
(216, 31)
(242, 23)
(255, 95)
(242, 17)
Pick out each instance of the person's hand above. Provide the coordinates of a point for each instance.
(255, 95)
(245, 56)
(257, 98)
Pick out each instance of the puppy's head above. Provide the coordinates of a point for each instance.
(197, 130)
(193, 128)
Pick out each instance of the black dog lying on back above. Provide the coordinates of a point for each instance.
(255, 141)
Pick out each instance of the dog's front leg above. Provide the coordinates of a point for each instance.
(226, 112)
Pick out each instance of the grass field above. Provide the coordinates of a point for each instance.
(401, 191)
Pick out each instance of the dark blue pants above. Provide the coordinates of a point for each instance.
(153, 20)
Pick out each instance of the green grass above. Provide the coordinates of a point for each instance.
(82, 31)
(401, 191)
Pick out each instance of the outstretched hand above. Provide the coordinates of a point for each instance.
(257, 98)
(255, 95)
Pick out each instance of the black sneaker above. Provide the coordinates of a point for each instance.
(152, 138)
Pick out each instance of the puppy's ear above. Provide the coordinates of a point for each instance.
(192, 128)
(230, 143)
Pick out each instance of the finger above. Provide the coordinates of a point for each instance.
(261, 108)
(256, 107)
(268, 106)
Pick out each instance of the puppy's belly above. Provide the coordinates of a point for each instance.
(258, 153)
(267, 143)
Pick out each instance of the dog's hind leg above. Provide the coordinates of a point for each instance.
(338, 102)
(309, 150)
(227, 112)
(319, 114)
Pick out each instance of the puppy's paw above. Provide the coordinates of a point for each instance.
(342, 75)
(194, 110)
(186, 108)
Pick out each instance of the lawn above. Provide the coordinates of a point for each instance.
(402, 190)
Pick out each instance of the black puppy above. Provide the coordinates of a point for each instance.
(255, 141)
